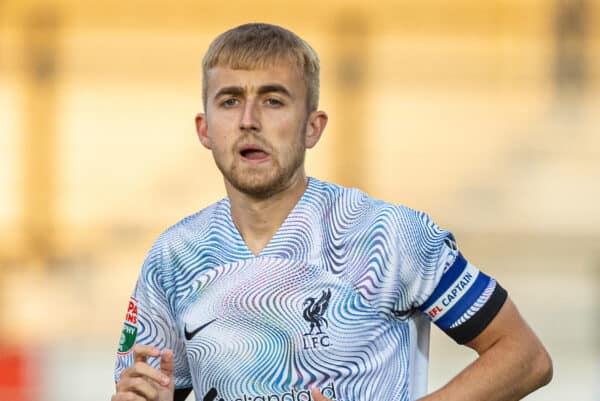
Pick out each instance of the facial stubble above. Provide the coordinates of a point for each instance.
(259, 182)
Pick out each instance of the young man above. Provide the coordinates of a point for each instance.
(293, 289)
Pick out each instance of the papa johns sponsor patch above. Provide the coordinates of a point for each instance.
(129, 333)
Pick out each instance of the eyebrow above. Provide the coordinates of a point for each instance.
(274, 88)
(238, 90)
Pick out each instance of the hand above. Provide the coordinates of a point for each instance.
(141, 382)
(317, 395)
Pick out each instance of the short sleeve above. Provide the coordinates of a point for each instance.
(454, 294)
(149, 320)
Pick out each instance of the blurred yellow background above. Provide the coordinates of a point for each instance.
(485, 114)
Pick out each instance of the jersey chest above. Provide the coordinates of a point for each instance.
(283, 324)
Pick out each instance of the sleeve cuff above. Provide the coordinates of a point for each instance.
(470, 329)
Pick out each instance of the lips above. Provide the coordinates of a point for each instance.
(253, 153)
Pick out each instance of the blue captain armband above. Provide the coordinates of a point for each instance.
(465, 301)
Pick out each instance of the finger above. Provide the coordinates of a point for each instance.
(142, 369)
(317, 395)
(137, 387)
(167, 363)
(141, 352)
(143, 387)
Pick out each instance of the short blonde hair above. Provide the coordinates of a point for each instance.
(257, 45)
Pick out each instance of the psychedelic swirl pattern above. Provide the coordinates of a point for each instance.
(332, 301)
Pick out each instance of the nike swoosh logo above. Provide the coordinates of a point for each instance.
(190, 334)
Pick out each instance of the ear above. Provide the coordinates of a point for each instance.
(317, 121)
(202, 130)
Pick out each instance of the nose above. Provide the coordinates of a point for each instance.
(250, 118)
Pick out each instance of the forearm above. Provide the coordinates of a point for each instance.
(506, 370)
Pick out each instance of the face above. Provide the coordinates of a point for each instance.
(257, 127)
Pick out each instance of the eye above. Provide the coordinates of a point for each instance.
(230, 102)
(274, 102)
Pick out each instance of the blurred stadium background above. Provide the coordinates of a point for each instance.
(486, 114)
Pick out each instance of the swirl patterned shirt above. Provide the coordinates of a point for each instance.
(341, 298)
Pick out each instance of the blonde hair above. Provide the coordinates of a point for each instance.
(256, 45)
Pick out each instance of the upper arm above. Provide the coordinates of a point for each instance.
(510, 339)
(508, 324)
(435, 278)
(465, 301)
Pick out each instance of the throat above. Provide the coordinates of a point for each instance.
(257, 245)
(257, 232)
(259, 220)
(257, 229)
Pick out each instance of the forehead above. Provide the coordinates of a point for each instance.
(252, 79)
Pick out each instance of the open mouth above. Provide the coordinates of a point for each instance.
(253, 153)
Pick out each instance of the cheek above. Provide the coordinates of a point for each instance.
(219, 137)
(291, 130)
(220, 144)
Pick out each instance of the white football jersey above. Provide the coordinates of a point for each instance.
(341, 298)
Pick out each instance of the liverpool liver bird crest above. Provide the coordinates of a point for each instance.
(314, 311)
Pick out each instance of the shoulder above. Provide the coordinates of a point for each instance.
(346, 203)
(404, 230)
(355, 203)
(191, 229)
(198, 223)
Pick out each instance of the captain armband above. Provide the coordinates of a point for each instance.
(465, 301)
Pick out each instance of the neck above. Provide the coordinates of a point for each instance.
(258, 220)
